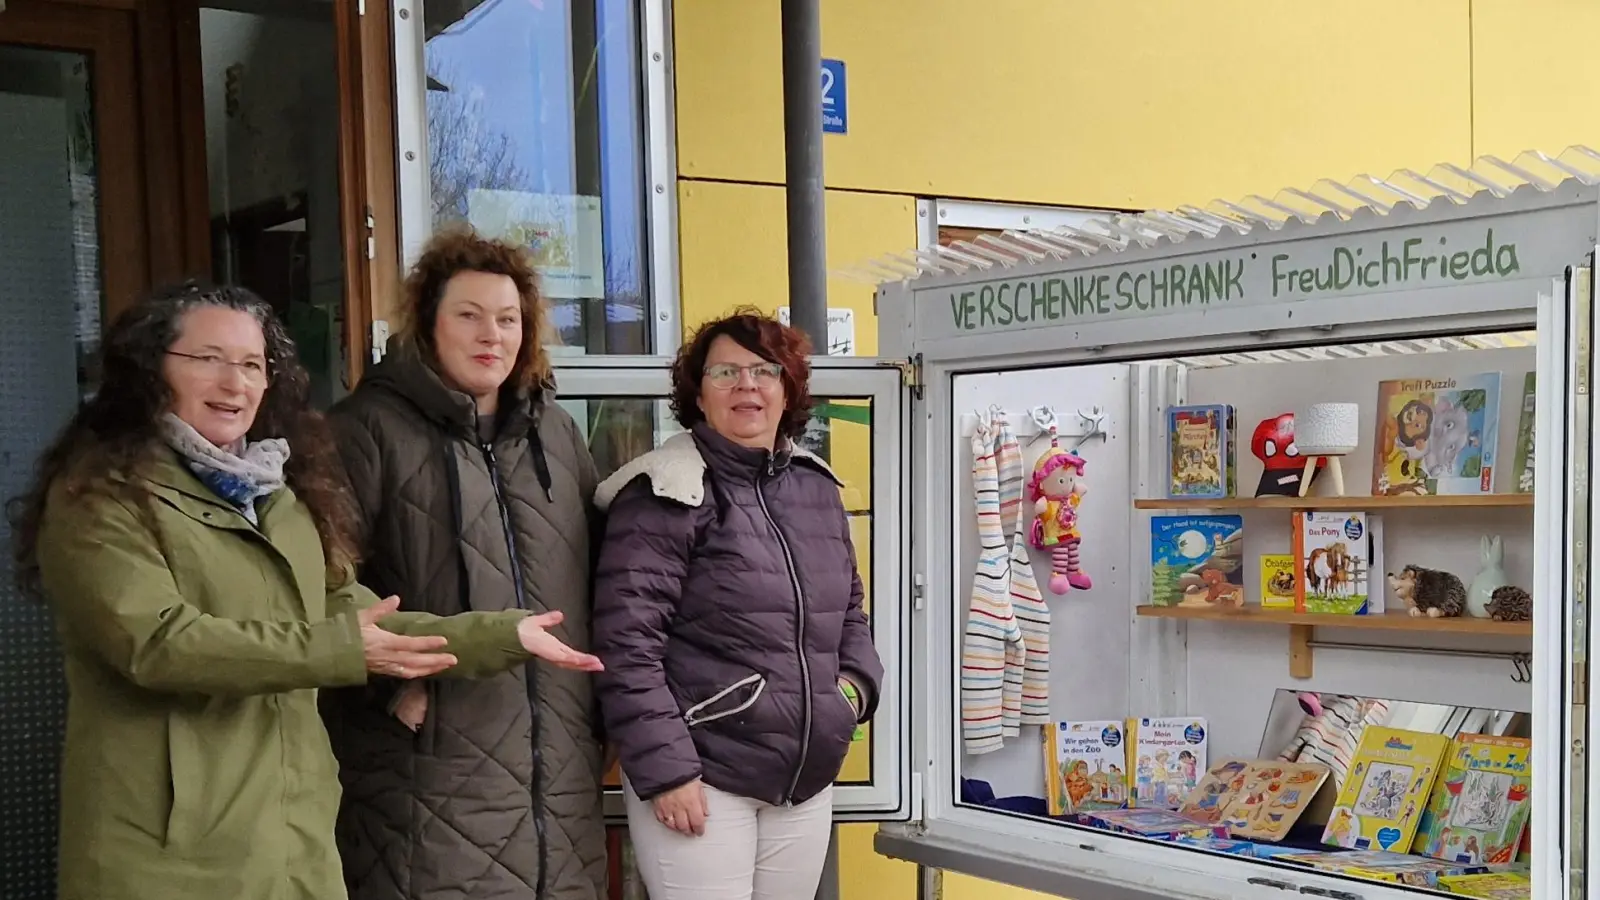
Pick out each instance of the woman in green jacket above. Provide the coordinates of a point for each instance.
(192, 532)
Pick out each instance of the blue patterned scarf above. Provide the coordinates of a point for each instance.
(240, 475)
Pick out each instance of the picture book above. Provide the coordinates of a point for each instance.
(1201, 455)
(1160, 824)
(1197, 561)
(1167, 757)
(1379, 865)
(1381, 802)
(1436, 435)
(1257, 800)
(1522, 455)
(1488, 886)
(1085, 766)
(1277, 580)
(1333, 556)
(1479, 809)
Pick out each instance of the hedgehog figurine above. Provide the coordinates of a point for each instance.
(1429, 592)
(1510, 604)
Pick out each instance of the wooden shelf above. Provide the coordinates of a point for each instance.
(1303, 626)
(1454, 501)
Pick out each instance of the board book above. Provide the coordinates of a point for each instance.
(1380, 865)
(1197, 561)
(1201, 453)
(1277, 580)
(1160, 824)
(1522, 454)
(1333, 556)
(1167, 757)
(1391, 775)
(1436, 435)
(1488, 886)
(1479, 809)
(1254, 799)
(1085, 766)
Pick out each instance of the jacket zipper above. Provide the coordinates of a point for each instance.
(531, 677)
(799, 632)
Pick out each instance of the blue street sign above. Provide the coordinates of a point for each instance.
(835, 110)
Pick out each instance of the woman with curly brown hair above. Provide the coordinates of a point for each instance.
(728, 613)
(190, 530)
(474, 489)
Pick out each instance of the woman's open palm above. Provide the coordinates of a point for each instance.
(537, 640)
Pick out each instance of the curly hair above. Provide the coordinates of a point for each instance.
(116, 434)
(458, 249)
(762, 335)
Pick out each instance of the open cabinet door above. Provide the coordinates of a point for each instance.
(1564, 572)
(859, 426)
(367, 192)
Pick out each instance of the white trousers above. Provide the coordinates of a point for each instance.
(750, 850)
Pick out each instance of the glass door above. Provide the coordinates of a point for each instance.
(1564, 573)
(72, 250)
(859, 426)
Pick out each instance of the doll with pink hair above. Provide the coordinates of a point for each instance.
(1055, 489)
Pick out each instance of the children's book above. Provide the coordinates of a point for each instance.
(1332, 551)
(1380, 865)
(1391, 775)
(1277, 580)
(1436, 435)
(1478, 811)
(1166, 759)
(1255, 800)
(1488, 886)
(1084, 767)
(1201, 456)
(1197, 561)
(1161, 824)
(1522, 460)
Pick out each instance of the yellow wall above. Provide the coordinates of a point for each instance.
(1134, 105)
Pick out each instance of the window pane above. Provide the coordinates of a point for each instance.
(536, 133)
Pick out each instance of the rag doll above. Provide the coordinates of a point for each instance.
(1429, 592)
(1056, 489)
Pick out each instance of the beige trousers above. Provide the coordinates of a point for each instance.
(750, 850)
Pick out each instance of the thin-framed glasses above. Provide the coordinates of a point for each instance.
(726, 375)
(254, 371)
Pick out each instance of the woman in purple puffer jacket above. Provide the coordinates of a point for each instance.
(738, 659)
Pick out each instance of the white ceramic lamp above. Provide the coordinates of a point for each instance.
(1327, 431)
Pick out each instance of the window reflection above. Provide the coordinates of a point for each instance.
(535, 133)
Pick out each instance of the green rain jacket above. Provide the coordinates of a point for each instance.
(196, 766)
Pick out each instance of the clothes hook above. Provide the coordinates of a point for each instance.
(1523, 663)
(1044, 418)
(1095, 419)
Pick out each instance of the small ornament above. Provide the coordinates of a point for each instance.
(1510, 603)
(1429, 592)
(1283, 465)
(1055, 490)
(1489, 578)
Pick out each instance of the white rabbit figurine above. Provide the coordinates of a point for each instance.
(1489, 578)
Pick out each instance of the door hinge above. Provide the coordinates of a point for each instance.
(1580, 683)
(380, 340)
(911, 374)
(372, 242)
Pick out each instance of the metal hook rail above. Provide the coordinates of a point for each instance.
(1521, 663)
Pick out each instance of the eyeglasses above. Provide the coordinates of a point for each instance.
(726, 375)
(215, 367)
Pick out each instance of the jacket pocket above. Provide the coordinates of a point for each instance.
(187, 792)
(216, 790)
(730, 701)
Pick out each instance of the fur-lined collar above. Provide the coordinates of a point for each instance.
(677, 471)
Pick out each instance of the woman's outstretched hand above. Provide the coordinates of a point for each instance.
(537, 640)
(398, 655)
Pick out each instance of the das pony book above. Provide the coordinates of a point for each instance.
(1436, 435)
(1333, 556)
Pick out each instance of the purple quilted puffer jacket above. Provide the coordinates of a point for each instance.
(727, 605)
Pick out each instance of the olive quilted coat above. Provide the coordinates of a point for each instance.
(498, 796)
(196, 766)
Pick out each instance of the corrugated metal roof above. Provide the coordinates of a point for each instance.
(1326, 200)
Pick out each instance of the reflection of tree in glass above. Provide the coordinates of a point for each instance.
(463, 152)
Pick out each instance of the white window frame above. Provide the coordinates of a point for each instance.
(660, 153)
(934, 214)
(889, 797)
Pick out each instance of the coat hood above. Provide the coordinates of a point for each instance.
(405, 372)
(677, 469)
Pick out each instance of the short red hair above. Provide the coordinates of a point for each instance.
(762, 335)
